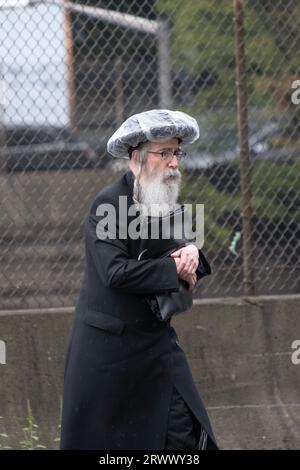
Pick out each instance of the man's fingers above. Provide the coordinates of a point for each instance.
(192, 282)
(187, 266)
(176, 253)
(191, 279)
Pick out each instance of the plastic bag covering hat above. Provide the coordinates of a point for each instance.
(154, 125)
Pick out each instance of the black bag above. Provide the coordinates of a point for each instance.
(164, 306)
(171, 303)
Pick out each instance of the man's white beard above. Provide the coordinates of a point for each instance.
(157, 196)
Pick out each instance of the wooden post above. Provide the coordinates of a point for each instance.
(70, 68)
(241, 77)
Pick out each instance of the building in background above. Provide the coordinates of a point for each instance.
(33, 62)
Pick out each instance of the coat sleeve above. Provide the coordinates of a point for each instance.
(204, 268)
(117, 270)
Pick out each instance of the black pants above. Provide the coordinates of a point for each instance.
(184, 431)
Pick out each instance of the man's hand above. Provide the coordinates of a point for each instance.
(190, 278)
(187, 260)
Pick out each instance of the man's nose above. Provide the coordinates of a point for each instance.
(174, 162)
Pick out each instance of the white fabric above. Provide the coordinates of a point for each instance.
(154, 125)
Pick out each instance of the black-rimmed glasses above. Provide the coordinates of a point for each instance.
(168, 154)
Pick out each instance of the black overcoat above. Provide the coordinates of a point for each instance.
(122, 362)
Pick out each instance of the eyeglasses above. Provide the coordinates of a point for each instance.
(168, 154)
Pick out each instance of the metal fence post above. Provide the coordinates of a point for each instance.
(2, 130)
(119, 91)
(241, 84)
(163, 37)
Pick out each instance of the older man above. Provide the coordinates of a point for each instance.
(127, 382)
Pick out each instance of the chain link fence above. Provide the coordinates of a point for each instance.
(71, 72)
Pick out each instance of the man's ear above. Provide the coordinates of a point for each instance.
(134, 156)
(134, 164)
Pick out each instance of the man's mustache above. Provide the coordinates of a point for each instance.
(161, 176)
(171, 172)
